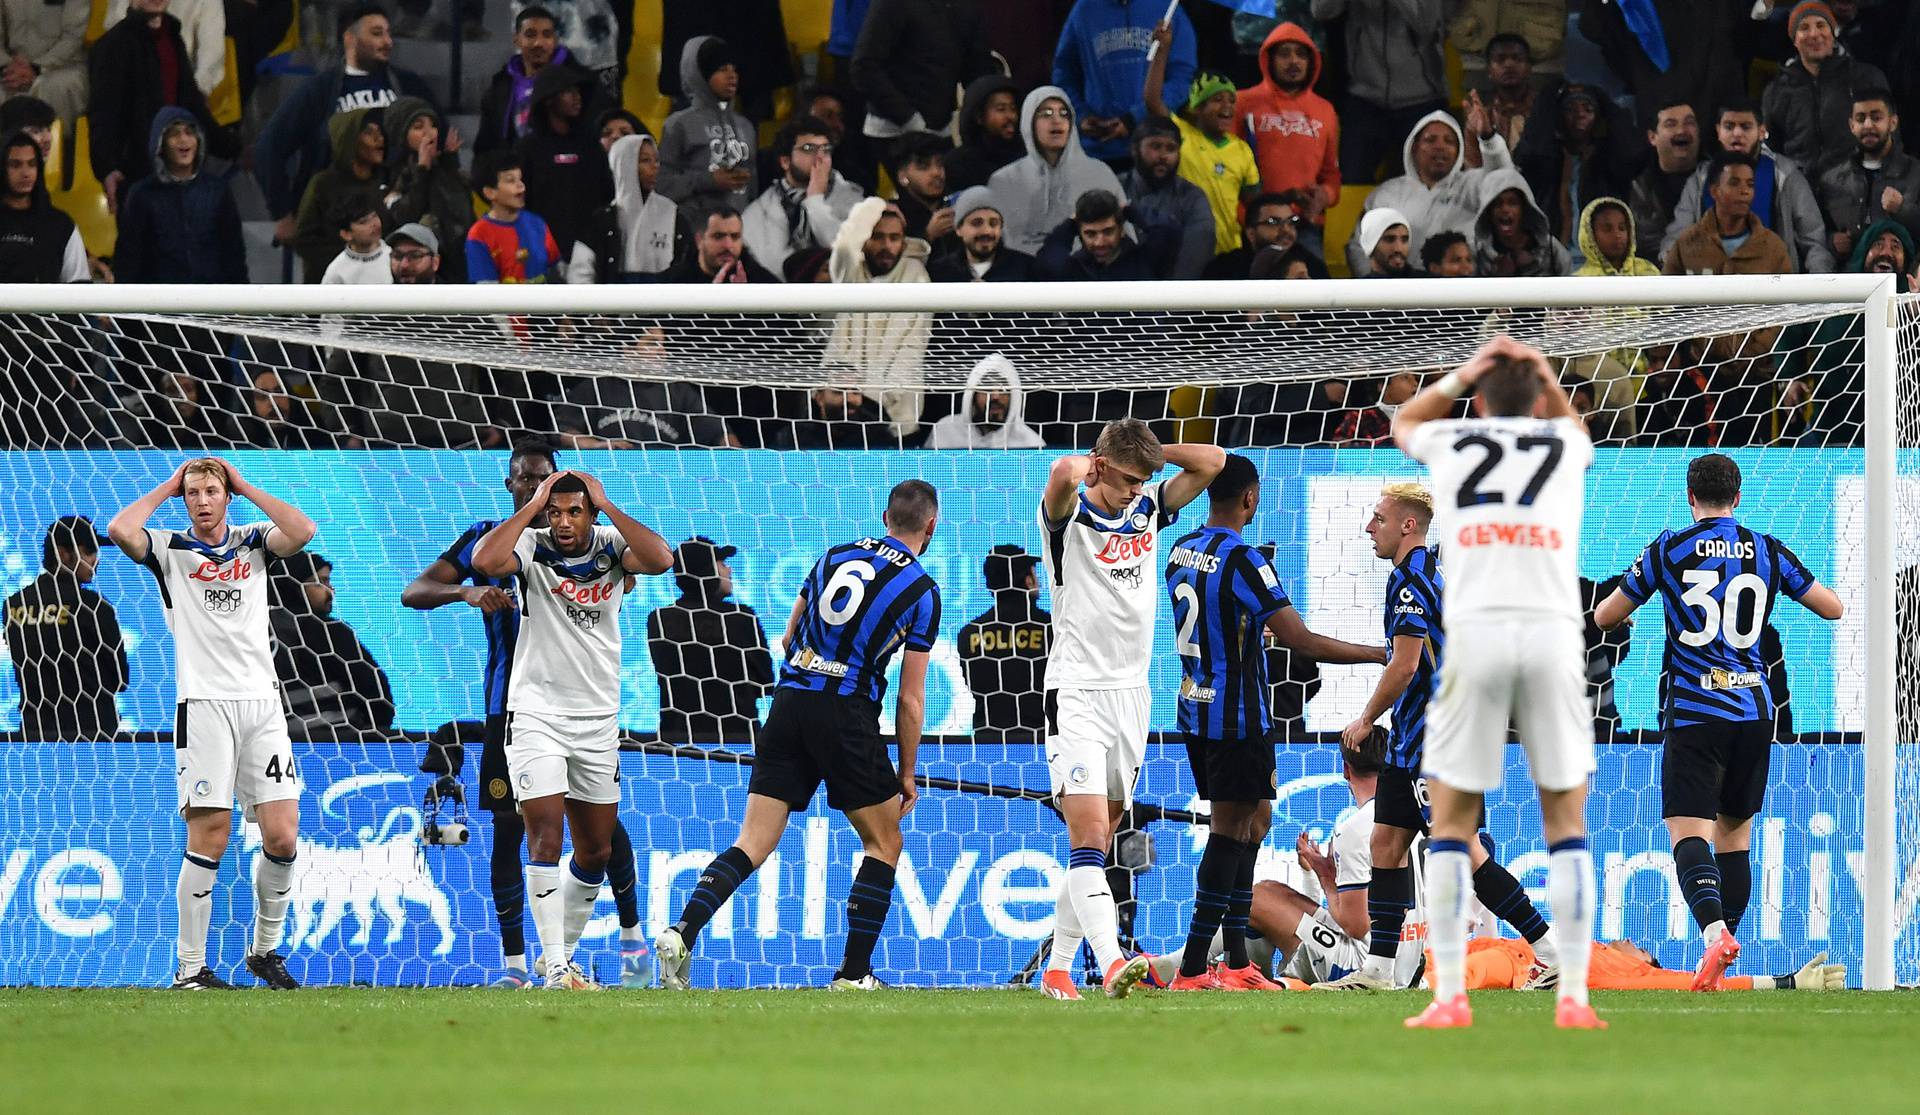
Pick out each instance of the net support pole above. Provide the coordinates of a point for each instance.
(1881, 618)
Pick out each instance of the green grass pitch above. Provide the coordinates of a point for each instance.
(769, 1052)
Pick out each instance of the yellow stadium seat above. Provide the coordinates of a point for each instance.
(97, 18)
(1341, 220)
(224, 101)
(56, 158)
(642, 93)
(85, 201)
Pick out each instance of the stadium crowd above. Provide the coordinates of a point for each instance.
(973, 140)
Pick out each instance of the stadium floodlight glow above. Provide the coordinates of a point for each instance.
(1211, 348)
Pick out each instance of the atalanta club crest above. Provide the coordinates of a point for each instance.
(602, 562)
(1141, 521)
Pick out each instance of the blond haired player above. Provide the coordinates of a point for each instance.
(1509, 489)
(1101, 515)
(230, 734)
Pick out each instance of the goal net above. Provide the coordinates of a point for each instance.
(771, 421)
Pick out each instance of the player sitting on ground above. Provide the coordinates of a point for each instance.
(1719, 581)
(563, 698)
(1224, 593)
(1101, 515)
(440, 584)
(230, 733)
(863, 601)
(1497, 963)
(1398, 528)
(1509, 492)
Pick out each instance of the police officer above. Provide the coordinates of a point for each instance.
(64, 639)
(1004, 651)
(709, 652)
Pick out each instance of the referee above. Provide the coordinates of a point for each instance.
(64, 639)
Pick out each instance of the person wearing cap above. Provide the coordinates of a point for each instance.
(64, 638)
(979, 254)
(1004, 651)
(1387, 241)
(564, 166)
(708, 651)
(1808, 106)
(1156, 188)
(414, 252)
(989, 132)
(707, 148)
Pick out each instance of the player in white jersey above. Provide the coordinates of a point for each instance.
(563, 700)
(1509, 489)
(1101, 515)
(1322, 943)
(230, 733)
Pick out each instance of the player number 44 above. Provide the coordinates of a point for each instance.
(279, 771)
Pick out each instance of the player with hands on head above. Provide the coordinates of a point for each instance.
(1101, 516)
(1224, 595)
(862, 602)
(230, 732)
(441, 584)
(563, 695)
(1509, 494)
(1719, 581)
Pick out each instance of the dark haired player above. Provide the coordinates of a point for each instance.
(1718, 581)
(862, 602)
(563, 692)
(440, 584)
(1509, 490)
(1224, 593)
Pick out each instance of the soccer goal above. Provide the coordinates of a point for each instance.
(771, 420)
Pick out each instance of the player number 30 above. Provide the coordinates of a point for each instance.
(1723, 617)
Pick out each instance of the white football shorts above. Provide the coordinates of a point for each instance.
(223, 750)
(577, 756)
(1527, 670)
(1325, 952)
(1097, 739)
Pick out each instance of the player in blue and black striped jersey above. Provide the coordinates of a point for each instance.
(1225, 597)
(443, 583)
(1417, 638)
(862, 603)
(1718, 581)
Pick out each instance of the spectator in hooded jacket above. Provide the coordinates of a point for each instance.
(989, 132)
(179, 225)
(1106, 253)
(38, 243)
(565, 167)
(1038, 192)
(1577, 148)
(509, 97)
(359, 168)
(1879, 180)
(1101, 64)
(992, 412)
(1212, 159)
(706, 149)
(883, 351)
(136, 69)
(1157, 189)
(1439, 192)
(1512, 235)
(755, 29)
(978, 254)
(638, 237)
(1783, 196)
(1807, 107)
(805, 206)
(1294, 131)
(425, 184)
(1609, 242)
(1396, 75)
(908, 59)
(45, 47)
(298, 131)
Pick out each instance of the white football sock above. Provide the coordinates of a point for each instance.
(272, 891)
(1449, 889)
(580, 895)
(194, 895)
(1570, 896)
(549, 914)
(516, 960)
(1547, 950)
(1093, 905)
(1378, 967)
(1712, 932)
(1066, 929)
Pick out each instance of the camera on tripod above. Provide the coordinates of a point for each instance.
(444, 814)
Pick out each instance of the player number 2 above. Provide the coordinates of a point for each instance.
(1470, 493)
(1183, 644)
(851, 580)
(1723, 616)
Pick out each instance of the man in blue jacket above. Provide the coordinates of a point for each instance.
(1101, 62)
(178, 224)
(297, 133)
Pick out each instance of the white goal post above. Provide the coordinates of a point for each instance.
(1162, 335)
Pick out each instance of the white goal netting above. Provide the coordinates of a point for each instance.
(776, 431)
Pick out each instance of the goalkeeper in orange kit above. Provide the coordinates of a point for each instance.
(1498, 963)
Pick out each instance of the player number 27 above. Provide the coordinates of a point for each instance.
(1722, 617)
(1470, 493)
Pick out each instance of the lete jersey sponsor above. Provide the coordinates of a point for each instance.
(1508, 494)
(567, 660)
(216, 604)
(1106, 591)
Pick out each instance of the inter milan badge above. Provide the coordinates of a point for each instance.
(497, 789)
(602, 562)
(1140, 520)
